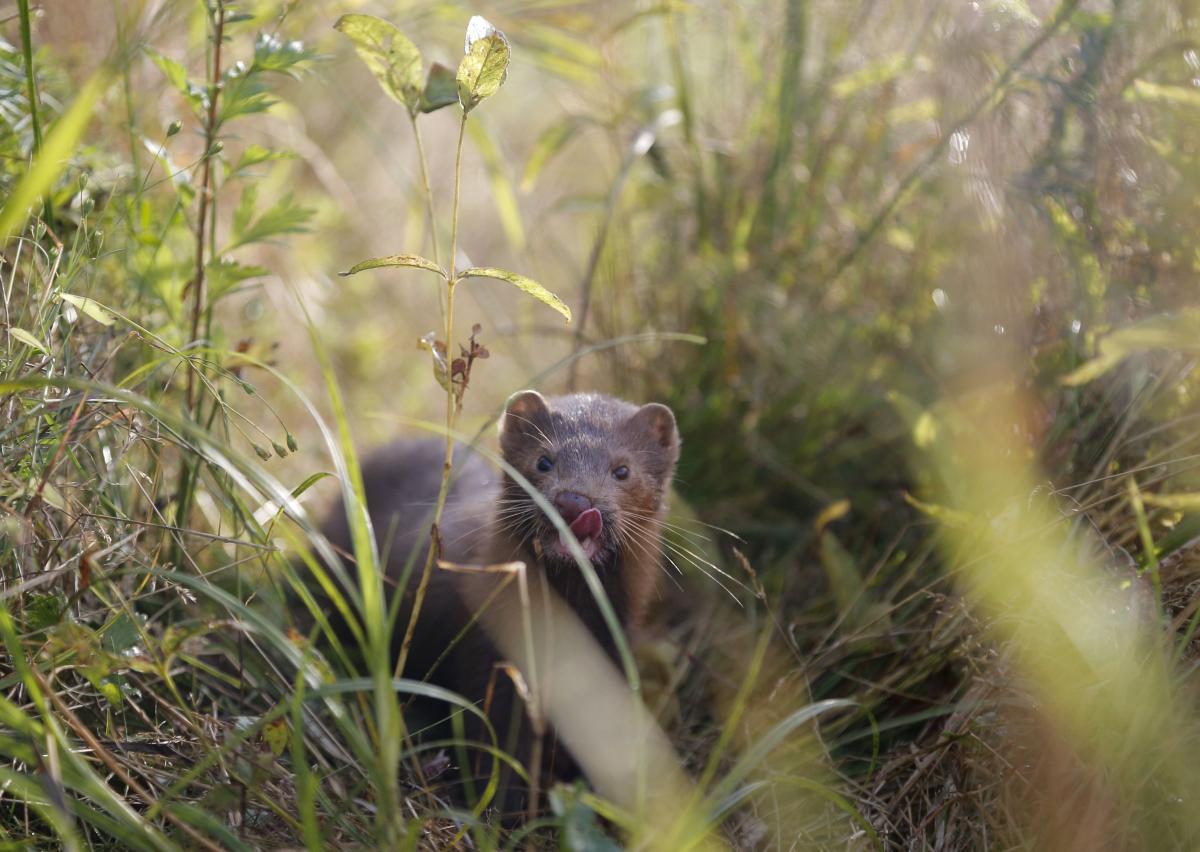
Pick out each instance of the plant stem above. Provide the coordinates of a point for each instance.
(428, 190)
(210, 133)
(451, 412)
(433, 237)
(130, 111)
(188, 472)
(31, 86)
(1149, 551)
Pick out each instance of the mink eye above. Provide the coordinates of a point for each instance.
(544, 464)
(621, 472)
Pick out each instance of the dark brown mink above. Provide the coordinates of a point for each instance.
(604, 464)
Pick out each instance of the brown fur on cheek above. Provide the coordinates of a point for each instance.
(644, 498)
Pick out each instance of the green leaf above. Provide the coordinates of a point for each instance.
(224, 275)
(276, 735)
(387, 52)
(271, 53)
(111, 692)
(233, 272)
(177, 76)
(121, 635)
(253, 154)
(246, 89)
(954, 519)
(1182, 502)
(43, 610)
(25, 337)
(1092, 370)
(441, 89)
(1144, 90)
(485, 66)
(1179, 331)
(245, 93)
(91, 307)
(925, 430)
(846, 582)
(528, 285)
(244, 212)
(283, 217)
(395, 260)
(579, 829)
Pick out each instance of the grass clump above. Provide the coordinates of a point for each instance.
(937, 438)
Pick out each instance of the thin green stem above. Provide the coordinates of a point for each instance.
(31, 85)
(189, 470)
(451, 412)
(462, 128)
(130, 111)
(210, 137)
(1149, 551)
(428, 190)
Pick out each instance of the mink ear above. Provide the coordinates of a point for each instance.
(525, 414)
(656, 422)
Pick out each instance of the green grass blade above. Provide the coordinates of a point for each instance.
(59, 145)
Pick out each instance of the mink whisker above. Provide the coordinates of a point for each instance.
(680, 549)
(643, 546)
(643, 542)
(676, 528)
(699, 563)
(680, 529)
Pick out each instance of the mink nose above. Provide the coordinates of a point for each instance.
(571, 505)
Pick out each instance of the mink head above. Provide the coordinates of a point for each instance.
(603, 464)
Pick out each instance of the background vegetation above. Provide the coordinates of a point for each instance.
(938, 487)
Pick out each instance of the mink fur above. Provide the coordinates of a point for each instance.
(612, 456)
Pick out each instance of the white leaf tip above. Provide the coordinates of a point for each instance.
(478, 27)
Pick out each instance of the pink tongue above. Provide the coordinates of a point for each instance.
(588, 525)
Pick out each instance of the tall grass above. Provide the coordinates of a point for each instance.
(938, 439)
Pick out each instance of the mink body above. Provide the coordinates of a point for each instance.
(604, 464)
